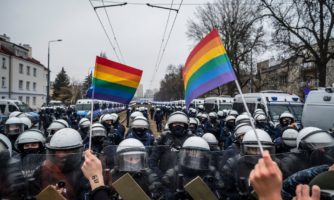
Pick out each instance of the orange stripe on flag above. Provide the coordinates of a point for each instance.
(116, 72)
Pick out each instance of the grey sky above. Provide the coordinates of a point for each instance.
(138, 29)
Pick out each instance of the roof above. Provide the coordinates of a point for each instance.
(4, 50)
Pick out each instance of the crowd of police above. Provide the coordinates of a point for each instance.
(220, 147)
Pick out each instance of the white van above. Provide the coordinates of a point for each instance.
(218, 103)
(10, 105)
(274, 103)
(319, 109)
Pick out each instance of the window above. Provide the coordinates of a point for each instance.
(12, 108)
(28, 100)
(3, 82)
(2, 108)
(28, 85)
(20, 84)
(34, 86)
(283, 79)
(28, 70)
(20, 98)
(4, 63)
(35, 72)
(21, 68)
(34, 101)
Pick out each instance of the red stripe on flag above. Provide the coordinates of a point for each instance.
(119, 66)
(213, 34)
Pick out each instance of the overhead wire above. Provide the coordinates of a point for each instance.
(113, 32)
(105, 31)
(164, 49)
(162, 42)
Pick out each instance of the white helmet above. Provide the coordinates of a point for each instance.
(230, 117)
(17, 114)
(98, 130)
(131, 155)
(114, 117)
(178, 117)
(220, 113)
(201, 107)
(241, 130)
(30, 136)
(233, 112)
(105, 117)
(14, 126)
(26, 121)
(286, 114)
(204, 116)
(250, 144)
(57, 125)
(260, 117)
(210, 138)
(289, 137)
(135, 114)
(258, 111)
(140, 122)
(313, 138)
(194, 154)
(84, 123)
(242, 119)
(66, 138)
(213, 115)
(6, 143)
(193, 121)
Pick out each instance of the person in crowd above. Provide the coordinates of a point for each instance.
(158, 117)
(140, 131)
(30, 142)
(194, 127)
(194, 161)
(13, 128)
(63, 163)
(226, 134)
(55, 126)
(165, 155)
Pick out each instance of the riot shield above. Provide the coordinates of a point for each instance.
(192, 164)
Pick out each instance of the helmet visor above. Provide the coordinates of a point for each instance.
(195, 159)
(255, 150)
(131, 161)
(14, 129)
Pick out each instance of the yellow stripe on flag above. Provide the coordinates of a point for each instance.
(115, 79)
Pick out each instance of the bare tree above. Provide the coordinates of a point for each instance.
(239, 24)
(304, 28)
(171, 87)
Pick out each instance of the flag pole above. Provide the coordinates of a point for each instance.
(91, 113)
(250, 116)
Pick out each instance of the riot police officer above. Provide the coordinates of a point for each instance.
(30, 142)
(13, 128)
(140, 131)
(63, 162)
(55, 126)
(131, 157)
(164, 158)
(195, 160)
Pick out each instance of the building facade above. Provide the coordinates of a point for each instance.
(291, 76)
(22, 77)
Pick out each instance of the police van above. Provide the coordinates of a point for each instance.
(218, 103)
(272, 102)
(196, 102)
(319, 109)
(10, 105)
(83, 107)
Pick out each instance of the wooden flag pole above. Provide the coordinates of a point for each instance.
(250, 116)
(91, 113)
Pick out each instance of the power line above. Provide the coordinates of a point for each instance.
(164, 49)
(105, 31)
(113, 32)
(144, 4)
(162, 42)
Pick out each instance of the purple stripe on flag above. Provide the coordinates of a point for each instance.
(111, 98)
(213, 83)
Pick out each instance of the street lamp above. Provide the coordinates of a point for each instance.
(48, 87)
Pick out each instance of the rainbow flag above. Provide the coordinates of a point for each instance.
(114, 81)
(207, 67)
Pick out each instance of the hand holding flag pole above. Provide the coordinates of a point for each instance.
(208, 67)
